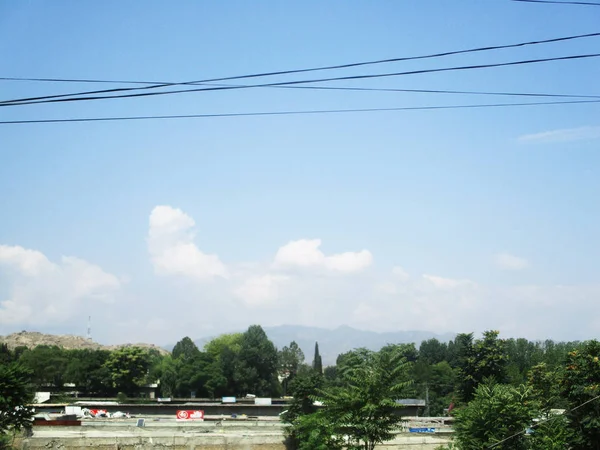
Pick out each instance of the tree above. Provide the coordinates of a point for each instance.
(581, 388)
(87, 370)
(256, 371)
(433, 351)
(15, 395)
(290, 359)
(232, 341)
(484, 358)
(317, 361)
(303, 389)
(127, 369)
(497, 412)
(185, 349)
(47, 364)
(167, 375)
(522, 356)
(314, 432)
(545, 387)
(365, 409)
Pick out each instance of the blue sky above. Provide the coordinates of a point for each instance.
(452, 220)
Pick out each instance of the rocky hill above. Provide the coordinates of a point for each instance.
(32, 339)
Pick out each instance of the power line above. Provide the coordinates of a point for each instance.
(296, 82)
(556, 2)
(286, 113)
(368, 89)
(543, 421)
(288, 72)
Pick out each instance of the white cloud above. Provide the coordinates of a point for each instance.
(261, 290)
(306, 253)
(28, 262)
(507, 261)
(400, 274)
(44, 292)
(563, 135)
(172, 248)
(446, 283)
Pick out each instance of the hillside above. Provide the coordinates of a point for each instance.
(339, 340)
(32, 339)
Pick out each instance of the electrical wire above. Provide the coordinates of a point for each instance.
(541, 422)
(296, 82)
(556, 2)
(288, 72)
(419, 91)
(286, 113)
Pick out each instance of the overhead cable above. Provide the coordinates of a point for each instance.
(418, 91)
(296, 82)
(556, 2)
(288, 72)
(287, 113)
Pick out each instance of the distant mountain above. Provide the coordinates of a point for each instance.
(339, 340)
(31, 339)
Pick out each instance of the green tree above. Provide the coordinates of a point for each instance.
(48, 365)
(232, 341)
(15, 395)
(303, 389)
(484, 358)
(581, 388)
(256, 369)
(290, 359)
(185, 349)
(86, 369)
(314, 432)
(167, 376)
(545, 387)
(433, 351)
(317, 361)
(522, 355)
(365, 409)
(497, 415)
(6, 355)
(127, 369)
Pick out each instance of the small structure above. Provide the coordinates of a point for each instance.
(412, 407)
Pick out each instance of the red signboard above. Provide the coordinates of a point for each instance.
(190, 415)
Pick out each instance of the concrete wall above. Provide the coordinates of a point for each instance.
(143, 439)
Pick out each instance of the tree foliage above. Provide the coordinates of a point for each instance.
(256, 368)
(15, 395)
(497, 412)
(317, 360)
(289, 359)
(185, 350)
(483, 358)
(128, 368)
(365, 407)
(581, 388)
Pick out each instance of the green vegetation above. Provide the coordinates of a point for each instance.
(496, 389)
(15, 395)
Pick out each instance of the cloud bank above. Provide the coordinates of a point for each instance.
(193, 292)
(41, 291)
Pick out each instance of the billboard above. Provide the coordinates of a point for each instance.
(422, 430)
(188, 414)
(228, 400)
(262, 401)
